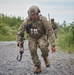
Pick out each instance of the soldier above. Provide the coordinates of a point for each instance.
(39, 32)
(54, 26)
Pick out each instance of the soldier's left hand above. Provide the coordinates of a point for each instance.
(53, 49)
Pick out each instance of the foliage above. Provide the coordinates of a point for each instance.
(10, 21)
(8, 27)
(66, 37)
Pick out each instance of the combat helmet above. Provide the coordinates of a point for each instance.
(33, 10)
(52, 19)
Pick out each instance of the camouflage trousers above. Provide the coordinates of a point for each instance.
(43, 44)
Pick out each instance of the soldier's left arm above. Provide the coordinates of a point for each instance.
(49, 31)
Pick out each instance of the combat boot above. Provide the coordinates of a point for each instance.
(47, 63)
(38, 70)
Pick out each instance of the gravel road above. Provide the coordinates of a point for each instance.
(61, 63)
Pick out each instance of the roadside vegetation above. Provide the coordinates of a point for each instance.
(8, 27)
(66, 37)
(10, 24)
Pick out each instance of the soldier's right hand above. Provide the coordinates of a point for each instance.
(20, 44)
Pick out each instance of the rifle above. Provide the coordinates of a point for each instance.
(49, 17)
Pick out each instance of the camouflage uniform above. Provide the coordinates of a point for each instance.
(39, 32)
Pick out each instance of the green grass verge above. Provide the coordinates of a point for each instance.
(7, 38)
(63, 45)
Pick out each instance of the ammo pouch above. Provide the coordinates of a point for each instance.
(34, 32)
(31, 30)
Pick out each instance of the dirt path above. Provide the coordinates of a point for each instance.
(61, 63)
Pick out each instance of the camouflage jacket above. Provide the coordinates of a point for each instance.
(43, 26)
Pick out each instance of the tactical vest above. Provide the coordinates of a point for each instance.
(35, 29)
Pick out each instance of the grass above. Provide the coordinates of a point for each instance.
(63, 45)
(7, 38)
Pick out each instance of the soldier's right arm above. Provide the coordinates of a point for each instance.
(20, 32)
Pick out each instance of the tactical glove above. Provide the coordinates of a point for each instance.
(20, 44)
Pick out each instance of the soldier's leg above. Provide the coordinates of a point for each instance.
(34, 55)
(43, 45)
